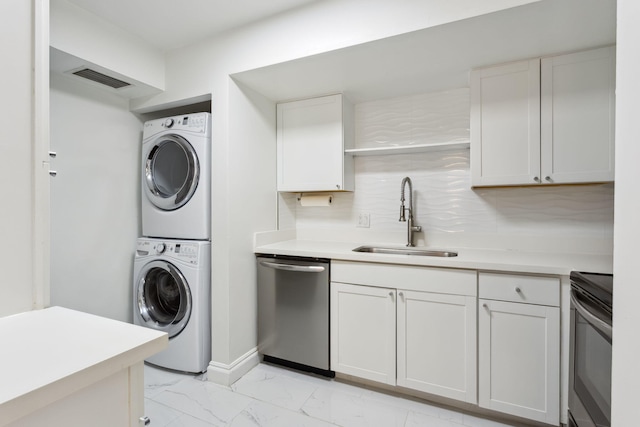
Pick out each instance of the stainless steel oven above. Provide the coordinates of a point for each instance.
(590, 350)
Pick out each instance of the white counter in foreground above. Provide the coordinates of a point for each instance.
(468, 258)
(60, 367)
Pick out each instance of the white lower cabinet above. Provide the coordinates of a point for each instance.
(491, 339)
(403, 336)
(363, 332)
(436, 344)
(519, 346)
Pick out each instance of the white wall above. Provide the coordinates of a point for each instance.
(251, 179)
(95, 205)
(84, 35)
(626, 287)
(21, 287)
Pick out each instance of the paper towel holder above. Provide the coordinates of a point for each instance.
(322, 199)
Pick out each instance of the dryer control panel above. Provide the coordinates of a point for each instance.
(199, 123)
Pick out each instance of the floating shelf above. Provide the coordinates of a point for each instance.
(407, 149)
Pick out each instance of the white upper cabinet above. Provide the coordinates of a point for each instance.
(505, 124)
(578, 117)
(312, 135)
(544, 121)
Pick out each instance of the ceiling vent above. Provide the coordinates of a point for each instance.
(97, 77)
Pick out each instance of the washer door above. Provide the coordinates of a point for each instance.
(171, 172)
(163, 298)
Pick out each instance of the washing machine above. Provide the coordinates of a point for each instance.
(176, 176)
(172, 293)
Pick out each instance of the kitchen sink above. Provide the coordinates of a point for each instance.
(404, 251)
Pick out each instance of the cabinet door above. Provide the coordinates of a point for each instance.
(310, 145)
(519, 359)
(437, 344)
(577, 117)
(505, 124)
(363, 332)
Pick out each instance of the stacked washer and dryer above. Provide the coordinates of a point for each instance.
(172, 264)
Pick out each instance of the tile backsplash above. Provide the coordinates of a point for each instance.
(413, 120)
(445, 205)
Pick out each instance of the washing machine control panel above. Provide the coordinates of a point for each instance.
(183, 251)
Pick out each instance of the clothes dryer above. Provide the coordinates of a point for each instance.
(176, 176)
(172, 293)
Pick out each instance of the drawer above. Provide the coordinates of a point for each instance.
(542, 290)
(407, 277)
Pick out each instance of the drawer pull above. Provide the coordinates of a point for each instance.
(518, 290)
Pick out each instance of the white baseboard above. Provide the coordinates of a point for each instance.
(227, 374)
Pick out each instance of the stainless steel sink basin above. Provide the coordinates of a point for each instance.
(404, 251)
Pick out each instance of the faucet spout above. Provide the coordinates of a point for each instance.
(410, 227)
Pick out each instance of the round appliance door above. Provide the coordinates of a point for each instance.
(163, 298)
(171, 172)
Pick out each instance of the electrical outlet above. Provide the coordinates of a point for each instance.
(363, 220)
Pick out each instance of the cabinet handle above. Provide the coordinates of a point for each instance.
(536, 179)
(547, 178)
(484, 305)
(52, 154)
(518, 290)
(53, 173)
(338, 186)
(401, 294)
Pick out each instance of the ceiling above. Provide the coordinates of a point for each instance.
(155, 21)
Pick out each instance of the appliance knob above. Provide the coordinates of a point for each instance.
(168, 123)
(160, 248)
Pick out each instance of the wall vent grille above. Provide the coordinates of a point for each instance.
(95, 76)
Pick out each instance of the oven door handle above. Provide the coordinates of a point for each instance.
(597, 323)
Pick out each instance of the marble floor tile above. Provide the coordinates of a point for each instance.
(157, 380)
(260, 414)
(473, 421)
(188, 421)
(312, 379)
(204, 400)
(159, 414)
(415, 419)
(272, 396)
(408, 403)
(274, 387)
(348, 410)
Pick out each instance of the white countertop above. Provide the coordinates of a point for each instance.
(477, 259)
(48, 354)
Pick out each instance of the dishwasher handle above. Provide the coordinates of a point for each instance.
(293, 267)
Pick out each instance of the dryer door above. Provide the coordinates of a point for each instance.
(171, 172)
(163, 298)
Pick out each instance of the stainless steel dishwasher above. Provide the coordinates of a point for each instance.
(293, 312)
